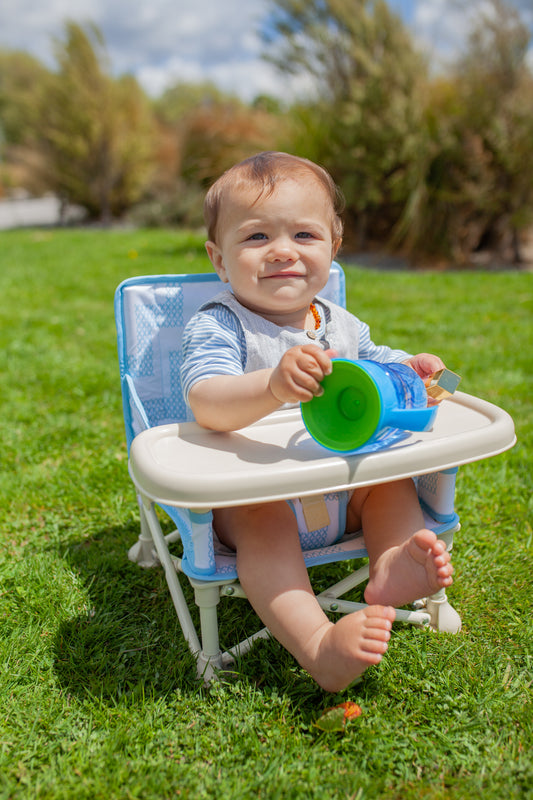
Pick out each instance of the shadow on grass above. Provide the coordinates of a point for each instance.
(127, 642)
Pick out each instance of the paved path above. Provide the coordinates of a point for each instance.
(21, 213)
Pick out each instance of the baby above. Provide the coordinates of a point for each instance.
(267, 342)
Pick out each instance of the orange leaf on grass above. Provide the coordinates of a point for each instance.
(335, 718)
(351, 709)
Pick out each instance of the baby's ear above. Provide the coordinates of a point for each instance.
(336, 246)
(215, 256)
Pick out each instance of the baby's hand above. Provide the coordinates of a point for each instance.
(297, 377)
(425, 364)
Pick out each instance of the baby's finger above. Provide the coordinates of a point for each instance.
(320, 360)
(307, 383)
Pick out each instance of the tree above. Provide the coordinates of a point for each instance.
(364, 123)
(201, 131)
(182, 98)
(477, 188)
(218, 135)
(496, 88)
(95, 130)
(437, 165)
(22, 82)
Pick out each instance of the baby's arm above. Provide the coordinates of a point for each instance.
(230, 402)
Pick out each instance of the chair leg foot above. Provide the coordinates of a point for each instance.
(208, 667)
(143, 553)
(443, 617)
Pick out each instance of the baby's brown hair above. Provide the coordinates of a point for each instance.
(265, 171)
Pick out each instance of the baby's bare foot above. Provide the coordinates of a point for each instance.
(417, 568)
(344, 650)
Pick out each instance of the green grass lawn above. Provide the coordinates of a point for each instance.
(97, 688)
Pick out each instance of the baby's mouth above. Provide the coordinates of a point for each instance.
(288, 273)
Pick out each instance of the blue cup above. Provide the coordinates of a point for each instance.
(364, 402)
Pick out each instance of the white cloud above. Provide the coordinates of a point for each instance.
(242, 78)
(159, 41)
(162, 41)
(442, 26)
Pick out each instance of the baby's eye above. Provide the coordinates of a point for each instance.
(304, 235)
(256, 236)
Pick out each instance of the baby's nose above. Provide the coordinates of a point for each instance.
(283, 250)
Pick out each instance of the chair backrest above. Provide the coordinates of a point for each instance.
(151, 313)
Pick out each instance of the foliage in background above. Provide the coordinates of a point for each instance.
(22, 81)
(202, 132)
(89, 135)
(364, 127)
(437, 165)
(440, 167)
(96, 131)
(475, 187)
(97, 688)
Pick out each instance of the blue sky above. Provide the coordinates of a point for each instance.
(164, 41)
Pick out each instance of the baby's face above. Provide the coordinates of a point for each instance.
(276, 252)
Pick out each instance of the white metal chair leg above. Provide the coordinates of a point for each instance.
(209, 659)
(329, 600)
(176, 592)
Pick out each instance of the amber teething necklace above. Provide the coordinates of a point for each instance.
(316, 316)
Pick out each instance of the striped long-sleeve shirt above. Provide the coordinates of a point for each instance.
(214, 343)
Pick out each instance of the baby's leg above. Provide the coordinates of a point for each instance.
(274, 576)
(406, 560)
